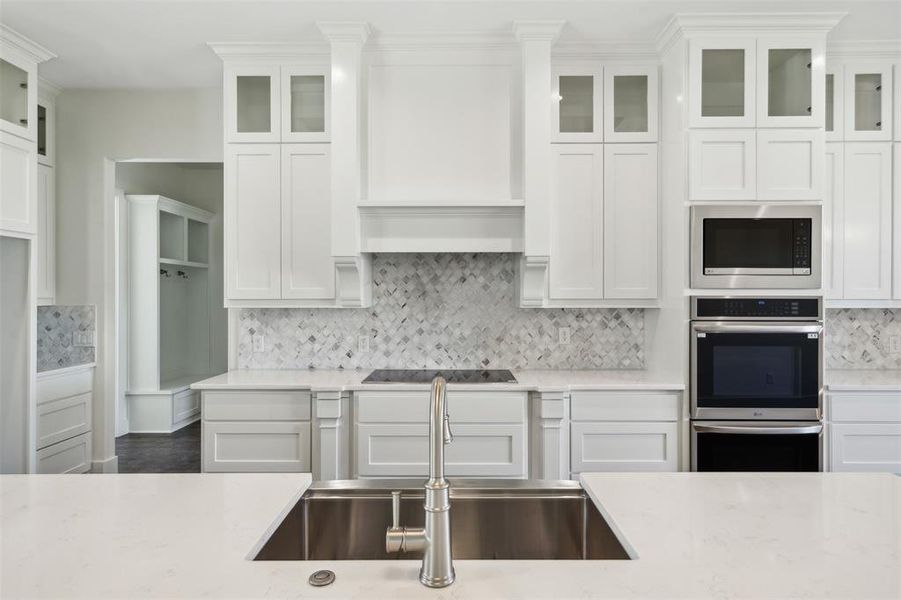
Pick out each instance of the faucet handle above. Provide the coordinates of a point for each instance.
(448, 434)
(395, 509)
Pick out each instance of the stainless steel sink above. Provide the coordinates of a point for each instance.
(503, 520)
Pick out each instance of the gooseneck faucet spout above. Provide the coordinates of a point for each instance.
(434, 539)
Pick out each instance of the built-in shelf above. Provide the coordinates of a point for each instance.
(183, 263)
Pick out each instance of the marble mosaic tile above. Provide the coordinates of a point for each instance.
(443, 311)
(55, 336)
(859, 338)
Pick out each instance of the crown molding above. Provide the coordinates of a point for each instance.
(48, 89)
(687, 25)
(606, 51)
(269, 50)
(442, 40)
(866, 49)
(35, 52)
(345, 31)
(537, 30)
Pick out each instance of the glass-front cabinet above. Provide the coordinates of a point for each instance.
(721, 80)
(868, 93)
(577, 105)
(306, 104)
(18, 111)
(835, 102)
(790, 83)
(630, 104)
(252, 106)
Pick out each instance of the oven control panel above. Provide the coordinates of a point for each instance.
(756, 308)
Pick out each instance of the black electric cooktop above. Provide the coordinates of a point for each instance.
(451, 375)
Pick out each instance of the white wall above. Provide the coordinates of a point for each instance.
(94, 126)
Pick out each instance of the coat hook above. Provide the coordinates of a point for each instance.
(165, 273)
(182, 274)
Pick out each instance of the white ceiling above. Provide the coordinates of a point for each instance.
(162, 43)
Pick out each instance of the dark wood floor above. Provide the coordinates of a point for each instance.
(178, 452)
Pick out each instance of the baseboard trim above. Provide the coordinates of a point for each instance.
(109, 465)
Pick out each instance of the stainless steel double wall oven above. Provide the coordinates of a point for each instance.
(756, 384)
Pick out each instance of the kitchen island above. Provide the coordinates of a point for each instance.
(695, 535)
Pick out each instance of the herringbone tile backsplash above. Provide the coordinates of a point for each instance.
(443, 311)
(858, 338)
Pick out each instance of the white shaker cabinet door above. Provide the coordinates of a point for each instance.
(308, 271)
(577, 228)
(866, 447)
(630, 221)
(896, 182)
(609, 446)
(789, 164)
(722, 164)
(252, 221)
(868, 221)
(46, 205)
(18, 181)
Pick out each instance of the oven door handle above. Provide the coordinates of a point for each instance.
(759, 430)
(786, 327)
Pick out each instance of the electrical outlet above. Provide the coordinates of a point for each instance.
(564, 335)
(259, 343)
(363, 344)
(894, 344)
(83, 339)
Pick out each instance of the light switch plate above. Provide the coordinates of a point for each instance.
(894, 344)
(259, 343)
(564, 334)
(363, 344)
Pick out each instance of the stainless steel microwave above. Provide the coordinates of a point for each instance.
(756, 247)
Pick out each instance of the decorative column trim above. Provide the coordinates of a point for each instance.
(547, 31)
(345, 31)
(551, 448)
(330, 435)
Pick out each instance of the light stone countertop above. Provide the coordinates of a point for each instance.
(351, 380)
(863, 380)
(697, 535)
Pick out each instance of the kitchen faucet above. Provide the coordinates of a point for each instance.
(435, 538)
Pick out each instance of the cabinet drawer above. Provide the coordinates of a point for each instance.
(69, 456)
(52, 385)
(463, 407)
(866, 447)
(400, 450)
(865, 408)
(185, 405)
(624, 447)
(63, 418)
(256, 447)
(256, 406)
(625, 406)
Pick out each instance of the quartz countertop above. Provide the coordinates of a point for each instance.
(863, 380)
(696, 535)
(352, 379)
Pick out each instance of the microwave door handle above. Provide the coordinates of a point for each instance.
(759, 430)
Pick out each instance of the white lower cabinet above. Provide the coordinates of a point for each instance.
(64, 400)
(256, 431)
(625, 431)
(392, 434)
(162, 411)
(864, 431)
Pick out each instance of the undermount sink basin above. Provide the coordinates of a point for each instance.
(502, 520)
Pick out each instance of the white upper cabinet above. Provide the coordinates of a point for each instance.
(252, 103)
(835, 104)
(630, 221)
(578, 104)
(308, 271)
(722, 165)
(721, 80)
(868, 221)
(46, 273)
(897, 102)
(18, 180)
(630, 104)
(868, 105)
(790, 82)
(896, 182)
(252, 221)
(577, 223)
(18, 88)
(789, 164)
(306, 104)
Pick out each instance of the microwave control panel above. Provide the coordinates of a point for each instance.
(801, 250)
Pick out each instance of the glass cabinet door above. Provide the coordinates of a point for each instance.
(790, 83)
(835, 99)
(868, 111)
(306, 105)
(721, 80)
(630, 104)
(577, 105)
(17, 109)
(252, 104)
